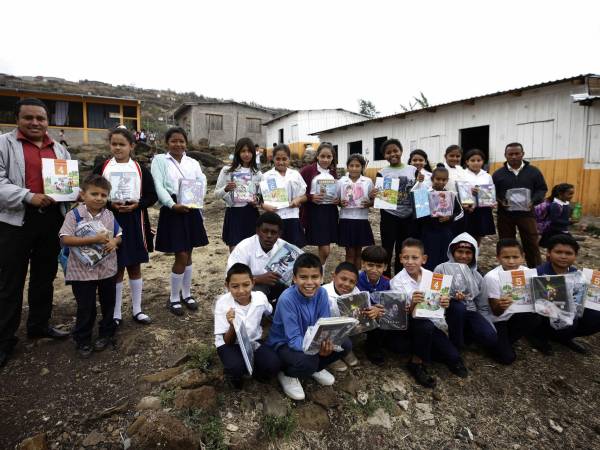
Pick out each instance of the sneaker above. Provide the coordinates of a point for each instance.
(421, 374)
(291, 386)
(459, 369)
(577, 347)
(84, 351)
(324, 378)
(338, 366)
(351, 359)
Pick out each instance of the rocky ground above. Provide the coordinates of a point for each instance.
(161, 387)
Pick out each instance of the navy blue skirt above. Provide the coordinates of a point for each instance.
(293, 232)
(480, 222)
(436, 239)
(133, 248)
(180, 232)
(322, 224)
(239, 223)
(355, 233)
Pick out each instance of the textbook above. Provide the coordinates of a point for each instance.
(244, 187)
(552, 297)
(352, 305)
(486, 196)
(245, 344)
(282, 262)
(592, 295)
(441, 203)
(420, 198)
(274, 193)
(124, 187)
(328, 188)
(395, 316)
(191, 193)
(61, 179)
(90, 255)
(465, 193)
(387, 197)
(353, 193)
(515, 284)
(519, 199)
(580, 286)
(335, 329)
(463, 280)
(434, 286)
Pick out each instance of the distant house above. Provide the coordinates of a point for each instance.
(295, 127)
(85, 118)
(222, 123)
(558, 123)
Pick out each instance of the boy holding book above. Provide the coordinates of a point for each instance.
(100, 278)
(299, 307)
(243, 304)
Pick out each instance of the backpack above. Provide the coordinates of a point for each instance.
(542, 216)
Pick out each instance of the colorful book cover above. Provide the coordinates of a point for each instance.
(387, 197)
(516, 285)
(61, 179)
(519, 199)
(395, 316)
(441, 203)
(328, 188)
(191, 193)
(592, 295)
(354, 193)
(282, 262)
(352, 305)
(463, 280)
(335, 329)
(124, 187)
(486, 196)
(244, 187)
(404, 186)
(421, 203)
(434, 286)
(465, 193)
(90, 255)
(245, 344)
(274, 193)
(550, 296)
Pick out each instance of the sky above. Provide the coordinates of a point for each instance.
(306, 54)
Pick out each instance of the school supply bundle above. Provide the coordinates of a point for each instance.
(486, 196)
(327, 187)
(274, 193)
(592, 295)
(463, 280)
(90, 255)
(354, 194)
(420, 200)
(282, 262)
(580, 287)
(61, 179)
(124, 187)
(519, 199)
(441, 203)
(434, 286)
(191, 193)
(244, 191)
(553, 297)
(515, 284)
(464, 190)
(335, 329)
(245, 344)
(353, 305)
(387, 195)
(394, 303)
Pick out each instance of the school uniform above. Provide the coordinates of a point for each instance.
(559, 215)
(240, 218)
(509, 327)
(465, 320)
(294, 314)
(292, 231)
(428, 342)
(266, 361)
(177, 232)
(333, 295)
(320, 221)
(436, 236)
(354, 229)
(87, 281)
(480, 222)
(397, 225)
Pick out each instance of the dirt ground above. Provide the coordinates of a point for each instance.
(538, 402)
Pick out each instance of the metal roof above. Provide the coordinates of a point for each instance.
(186, 105)
(70, 94)
(300, 110)
(433, 108)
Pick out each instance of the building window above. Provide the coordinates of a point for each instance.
(253, 125)
(214, 122)
(65, 114)
(7, 109)
(103, 116)
(355, 147)
(537, 138)
(129, 111)
(377, 142)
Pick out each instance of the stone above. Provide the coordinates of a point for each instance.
(403, 404)
(44, 371)
(37, 442)
(424, 414)
(275, 405)
(205, 398)
(312, 417)
(349, 384)
(437, 395)
(148, 402)
(556, 427)
(362, 398)
(178, 358)
(325, 397)
(161, 430)
(191, 378)
(163, 375)
(394, 385)
(136, 425)
(406, 422)
(231, 427)
(380, 418)
(532, 433)
(94, 438)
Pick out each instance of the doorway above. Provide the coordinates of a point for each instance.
(280, 136)
(355, 147)
(476, 137)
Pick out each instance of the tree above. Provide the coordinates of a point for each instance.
(367, 108)
(419, 103)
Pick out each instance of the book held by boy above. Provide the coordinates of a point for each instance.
(282, 262)
(515, 284)
(387, 197)
(124, 187)
(394, 303)
(434, 286)
(519, 199)
(191, 193)
(274, 193)
(441, 203)
(592, 295)
(486, 196)
(327, 187)
(336, 329)
(463, 280)
(245, 344)
(464, 190)
(244, 187)
(354, 194)
(552, 297)
(353, 305)
(420, 198)
(61, 179)
(90, 255)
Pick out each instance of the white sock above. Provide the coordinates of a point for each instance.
(186, 288)
(176, 280)
(136, 295)
(118, 300)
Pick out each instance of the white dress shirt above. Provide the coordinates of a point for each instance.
(251, 315)
(250, 252)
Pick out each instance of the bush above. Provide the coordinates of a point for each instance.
(278, 427)
(208, 426)
(202, 356)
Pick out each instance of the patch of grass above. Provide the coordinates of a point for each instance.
(202, 356)
(208, 426)
(167, 397)
(279, 427)
(376, 400)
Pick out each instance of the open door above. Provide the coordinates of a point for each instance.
(476, 137)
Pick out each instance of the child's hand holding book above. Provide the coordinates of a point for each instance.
(374, 312)
(230, 316)
(499, 305)
(417, 297)
(444, 301)
(111, 245)
(326, 348)
(102, 238)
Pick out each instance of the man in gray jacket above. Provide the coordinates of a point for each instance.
(29, 225)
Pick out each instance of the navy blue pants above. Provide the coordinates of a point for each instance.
(585, 325)
(300, 365)
(272, 292)
(510, 331)
(468, 325)
(85, 295)
(396, 341)
(431, 344)
(266, 362)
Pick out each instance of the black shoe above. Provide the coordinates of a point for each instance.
(101, 344)
(3, 358)
(541, 345)
(376, 357)
(458, 369)
(50, 332)
(146, 320)
(84, 351)
(421, 375)
(189, 302)
(177, 310)
(577, 347)
(117, 322)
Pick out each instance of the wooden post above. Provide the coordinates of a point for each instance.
(85, 123)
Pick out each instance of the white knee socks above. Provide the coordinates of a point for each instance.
(136, 295)
(176, 282)
(186, 288)
(118, 300)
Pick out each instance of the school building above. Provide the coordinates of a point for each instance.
(222, 123)
(85, 119)
(295, 128)
(558, 123)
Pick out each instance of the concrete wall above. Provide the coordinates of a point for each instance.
(73, 136)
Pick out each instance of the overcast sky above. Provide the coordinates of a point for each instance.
(305, 54)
